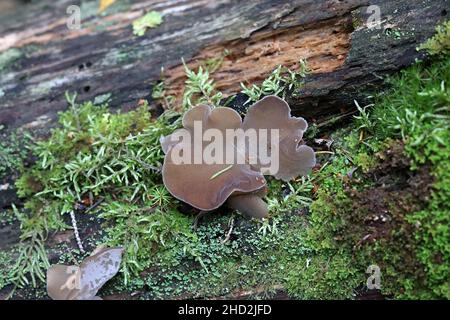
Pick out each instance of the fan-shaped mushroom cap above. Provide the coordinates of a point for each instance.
(219, 118)
(273, 112)
(83, 282)
(206, 186)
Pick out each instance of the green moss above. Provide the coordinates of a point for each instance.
(395, 33)
(392, 162)
(440, 43)
(325, 277)
(90, 155)
(258, 255)
(13, 151)
(199, 88)
(146, 237)
(288, 197)
(356, 22)
(6, 260)
(214, 63)
(8, 57)
(279, 82)
(423, 123)
(406, 147)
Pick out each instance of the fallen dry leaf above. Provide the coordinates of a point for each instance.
(84, 281)
(104, 4)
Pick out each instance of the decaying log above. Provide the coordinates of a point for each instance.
(344, 53)
(104, 56)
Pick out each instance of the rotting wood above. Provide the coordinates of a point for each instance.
(104, 56)
(324, 45)
(345, 56)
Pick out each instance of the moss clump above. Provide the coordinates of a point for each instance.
(13, 151)
(8, 57)
(95, 154)
(147, 233)
(279, 82)
(6, 260)
(440, 43)
(393, 212)
(423, 123)
(324, 276)
(257, 255)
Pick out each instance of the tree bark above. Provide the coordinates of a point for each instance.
(104, 56)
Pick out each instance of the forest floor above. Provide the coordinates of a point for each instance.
(377, 200)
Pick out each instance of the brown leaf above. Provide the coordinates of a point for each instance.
(84, 281)
(104, 4)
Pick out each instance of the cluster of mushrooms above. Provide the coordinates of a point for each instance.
(204, 186)
(239, 186)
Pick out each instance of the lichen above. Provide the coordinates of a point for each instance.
(13, 151)
(8, 57)
(440, 43)
(151, 19)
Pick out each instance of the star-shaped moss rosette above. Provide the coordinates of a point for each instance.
(207, 185)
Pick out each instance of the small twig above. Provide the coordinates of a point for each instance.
(11, 293)
(148, 209)
(146, 165)
(75, 230)
(251, 293)
(197, 219)
(95, 205)
(227, 237)
(336, 118)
